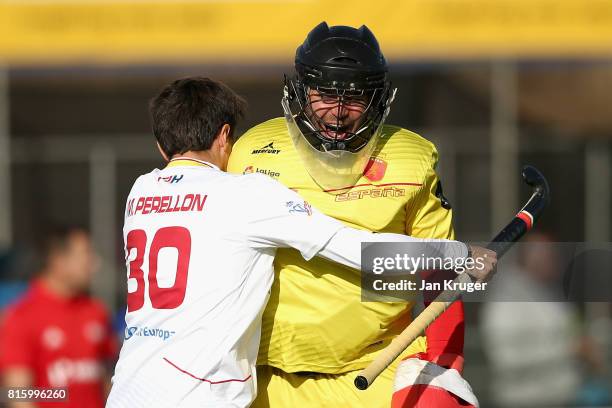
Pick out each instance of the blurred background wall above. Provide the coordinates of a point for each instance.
(494, 84)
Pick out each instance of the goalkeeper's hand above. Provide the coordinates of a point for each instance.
(419, 383)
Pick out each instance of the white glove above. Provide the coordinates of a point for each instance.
(414, 371)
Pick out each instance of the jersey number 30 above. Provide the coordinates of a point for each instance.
(161, 297)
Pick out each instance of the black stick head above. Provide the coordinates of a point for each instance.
(535, 179)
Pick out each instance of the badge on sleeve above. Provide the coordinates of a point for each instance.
(297, 207)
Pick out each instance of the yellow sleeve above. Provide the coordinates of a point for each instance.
(430, 215)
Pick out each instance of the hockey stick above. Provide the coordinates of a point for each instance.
(502, 242)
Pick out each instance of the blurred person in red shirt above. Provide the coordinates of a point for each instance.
(56, 335)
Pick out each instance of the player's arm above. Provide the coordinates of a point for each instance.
(279, 217)
(345, 246)
(16, 353)
(430, 216)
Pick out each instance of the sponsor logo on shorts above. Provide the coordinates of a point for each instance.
(148, 332)
(267, 149)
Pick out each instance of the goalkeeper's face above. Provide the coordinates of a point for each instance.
(337, 117)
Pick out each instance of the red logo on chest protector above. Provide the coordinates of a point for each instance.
(375, 169)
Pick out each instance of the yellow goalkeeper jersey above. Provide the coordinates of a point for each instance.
(315, 320)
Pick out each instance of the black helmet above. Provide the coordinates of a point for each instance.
(341, 57)
(344, 63)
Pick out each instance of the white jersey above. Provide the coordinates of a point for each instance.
(199, 250)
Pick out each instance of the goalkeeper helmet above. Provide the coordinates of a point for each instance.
(337, 102)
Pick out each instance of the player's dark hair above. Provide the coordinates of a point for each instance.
(54, 239)
(189, 113)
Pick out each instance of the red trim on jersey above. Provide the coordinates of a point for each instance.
(373, 185)
(204, 379)
(526, 217)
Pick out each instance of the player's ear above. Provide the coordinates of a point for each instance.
(161, 151)
(224, 145)
(224, 136)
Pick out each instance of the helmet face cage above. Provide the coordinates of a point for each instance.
(326, 136)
